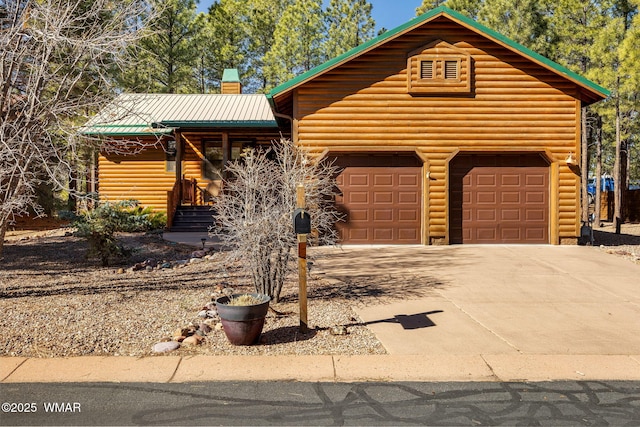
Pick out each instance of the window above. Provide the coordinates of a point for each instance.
(426, 70)
(214, 156)
(170, 157)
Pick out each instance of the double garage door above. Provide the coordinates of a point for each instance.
(492, 199)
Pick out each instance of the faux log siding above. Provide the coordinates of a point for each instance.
(142, 177)
(515, 103)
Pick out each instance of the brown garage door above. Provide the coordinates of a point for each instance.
(499, 199)
(381, 205)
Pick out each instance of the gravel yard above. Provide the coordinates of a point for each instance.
(54, 302)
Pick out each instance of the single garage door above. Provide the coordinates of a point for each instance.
(499, 199)
(381, 204)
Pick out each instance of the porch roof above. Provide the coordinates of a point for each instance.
(151, 114)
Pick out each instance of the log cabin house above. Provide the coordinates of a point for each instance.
(445, 131)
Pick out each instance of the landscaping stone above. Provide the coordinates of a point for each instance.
(165, 347)
(198, 254)
(192, 340)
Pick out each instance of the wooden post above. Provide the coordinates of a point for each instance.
(302, 264)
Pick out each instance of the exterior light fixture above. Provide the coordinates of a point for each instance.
(571, 160)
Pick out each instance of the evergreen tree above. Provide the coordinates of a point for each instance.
(349, 24)
(298, 41)
(225, 40)
(262, 18)
(166, 57)
(523, 21)
(466, 7)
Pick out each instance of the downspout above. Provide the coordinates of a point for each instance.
(286, 117)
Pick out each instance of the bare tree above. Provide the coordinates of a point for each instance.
(253, 216)
(57, 59)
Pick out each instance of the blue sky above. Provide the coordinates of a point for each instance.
(387, 13)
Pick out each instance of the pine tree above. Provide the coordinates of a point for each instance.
(298, 41)
(166, 57)
(523, 21)
(349, 24)
(466, 7)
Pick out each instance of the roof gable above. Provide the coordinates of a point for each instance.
(596, 92)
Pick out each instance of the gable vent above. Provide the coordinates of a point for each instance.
(426, 70)
(451, 70)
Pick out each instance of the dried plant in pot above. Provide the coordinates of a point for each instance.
(242, 317)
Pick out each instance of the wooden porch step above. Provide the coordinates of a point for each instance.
(192, 219)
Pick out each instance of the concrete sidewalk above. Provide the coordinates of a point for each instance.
(455, 313)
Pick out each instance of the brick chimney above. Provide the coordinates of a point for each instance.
(231, 82)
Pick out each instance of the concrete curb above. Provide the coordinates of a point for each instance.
(177, 369)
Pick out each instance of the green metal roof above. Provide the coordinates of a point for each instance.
(151, 114)
(419, 20)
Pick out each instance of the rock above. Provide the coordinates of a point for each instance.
(203, 314)
(165, 347)
(148, 268)
(193, 340)
(212, 314)
(120, 271)
(195, 260)
(200, 333)
(183, 332)
(165, 265)
(198, 254)
(210, 306)
(218, 327)
(138, 266)
(339, 330)
(150, 262)
(204, 327)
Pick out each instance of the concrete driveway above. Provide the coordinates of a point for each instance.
(491, 300)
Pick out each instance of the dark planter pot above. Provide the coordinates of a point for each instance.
(243, 324)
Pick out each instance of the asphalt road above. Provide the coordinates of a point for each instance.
(293, 403)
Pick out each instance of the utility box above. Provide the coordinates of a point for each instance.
(301, 221)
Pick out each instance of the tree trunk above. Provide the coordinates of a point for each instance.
(617, 171)
(598, 174)
(584, 169)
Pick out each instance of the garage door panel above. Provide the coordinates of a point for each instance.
(383, 235)
(388, 210)
(408, 235)
(408, 198)
(510, 197)
(360, 214)
(485, 215)
(519, 199)
(510, 214)
(485, 197)
(385, 197)
(359, 180)
(358, 197)
(383, 180)
(510, 180)
(535, 197)
(383, 215)
(536, 180)
(408, 180)
(535, 215)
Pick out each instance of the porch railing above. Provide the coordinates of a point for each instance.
(184, 192)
